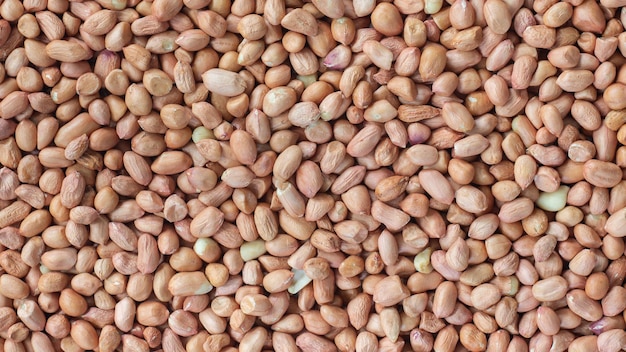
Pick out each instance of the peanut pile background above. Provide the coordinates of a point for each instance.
(333, 175)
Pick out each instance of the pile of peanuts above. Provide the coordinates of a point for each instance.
(332, 175)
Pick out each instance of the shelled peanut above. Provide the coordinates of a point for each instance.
(208, 175)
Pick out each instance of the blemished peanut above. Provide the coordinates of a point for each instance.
(316, 176)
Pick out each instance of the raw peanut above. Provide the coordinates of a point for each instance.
(212, 23)
(171, 162)
(613, 96)
(364, 141)
(601, 173)
(540, 36)
(314, 343)
(223, 82)
(497, 16)
(244, 147)
(457, 117)
(574, 80)
(332, 9)
(300, 21)
(457, 256)
(472, 338)
(547, 321)
(431, 61)
(444, 299)
(446, 338)
(13, 104)
(303, 114)
(516, 210)
(523, 70)
(422, 154)
(462, 15)
(166, 10)
(390, 291)
(611, 340)
(436, 185)
(557, 14)
(381, 111)
(66, 51)
(588, 17)
(391, 187)
(470, 146)
(189, 283)
(100, 23)
(386, 19)
(278, 100)
(484, 296)
(378, 54)
(500, 55)
(550, 289)
(583, 306)
(471, 199)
